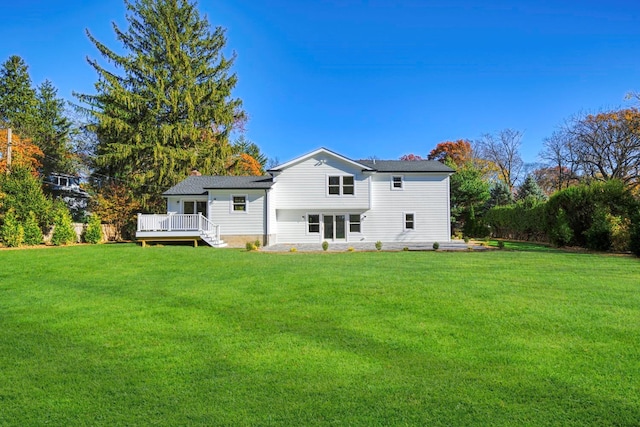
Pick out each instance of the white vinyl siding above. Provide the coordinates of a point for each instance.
(305, 186)
(250, 221)
(425, 195)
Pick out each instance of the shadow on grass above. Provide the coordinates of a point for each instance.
(525, 246)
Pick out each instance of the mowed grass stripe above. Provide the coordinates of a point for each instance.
(120, 335)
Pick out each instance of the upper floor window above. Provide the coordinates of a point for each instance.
(238, 203)
(396, 182)
(341, 185)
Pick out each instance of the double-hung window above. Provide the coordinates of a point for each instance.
(396, 182)
(238, 203)
(409, 221)
(354, 223)
(313, 222)
(341, 185)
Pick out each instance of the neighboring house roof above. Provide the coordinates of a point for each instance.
(402, 166)
(197, 185)
(316, 152)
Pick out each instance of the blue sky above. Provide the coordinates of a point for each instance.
(377, 78)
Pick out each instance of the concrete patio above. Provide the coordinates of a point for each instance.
(454, 245)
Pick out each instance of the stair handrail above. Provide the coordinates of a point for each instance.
(207, 225)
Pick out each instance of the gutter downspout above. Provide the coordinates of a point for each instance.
(266, 217)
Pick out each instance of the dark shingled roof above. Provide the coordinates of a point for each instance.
(406, 166)
(195, 185)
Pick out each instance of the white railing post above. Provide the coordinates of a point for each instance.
(139, 221)
(169, 221)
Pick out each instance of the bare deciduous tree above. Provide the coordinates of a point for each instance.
(607, 145)
(503, 149)
(560, 156)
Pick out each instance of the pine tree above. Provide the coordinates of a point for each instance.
(22, 192)
(93, 234)
(63, 231)
(169, 109)
(500, 195)
(32, 232)
(17, 97)
(51, 131)
(530, 190)
(11, 232)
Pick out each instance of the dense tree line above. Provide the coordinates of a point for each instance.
(160, 109)
(585, 194)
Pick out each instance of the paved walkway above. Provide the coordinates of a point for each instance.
(454, 245)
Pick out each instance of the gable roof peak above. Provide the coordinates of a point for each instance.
(316, 152)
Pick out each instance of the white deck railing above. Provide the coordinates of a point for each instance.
(177, 222)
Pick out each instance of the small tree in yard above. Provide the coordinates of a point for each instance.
(32, 232)
(94, 230)
(63, 232)
(12, 232)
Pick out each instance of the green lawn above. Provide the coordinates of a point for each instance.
(121, 335)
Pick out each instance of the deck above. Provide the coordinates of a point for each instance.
(178, 227)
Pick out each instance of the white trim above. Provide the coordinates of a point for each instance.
(246, 204)
(404, 221)
(319, 151)
(359, 223)
(183, 201)
(393, 187)
(307, 223)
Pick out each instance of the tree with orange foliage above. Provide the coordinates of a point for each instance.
(411, 157)
(459, 152)
(24, 153)
(116, 204)
(244, 164)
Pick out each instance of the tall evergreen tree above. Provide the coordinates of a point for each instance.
(499, 195)
(51, 131)
(17, 97)
(164, 107)
(530, 190)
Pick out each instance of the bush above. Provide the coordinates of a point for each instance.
(293, 249)
(93, 234)
(350, 249)
(521, 221)
(257, 244)
(63, 232)
(620, 233)
(22, 192)
(250, 246)
(32, 232)
(561, 233)
(500, 244)
(325, 245)
(598, 236)
(12, 231)
(436, 246)
(378, 245)
(406, 249)
(583, 210)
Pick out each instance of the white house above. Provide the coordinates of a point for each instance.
(319, 196)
